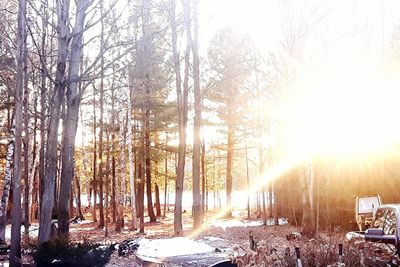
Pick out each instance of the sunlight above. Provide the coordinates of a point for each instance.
(343, 114)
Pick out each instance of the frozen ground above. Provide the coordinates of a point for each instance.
(170, 247)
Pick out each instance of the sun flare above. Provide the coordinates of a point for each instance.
(343, 114)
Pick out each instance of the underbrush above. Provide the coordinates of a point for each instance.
(316, 252)
(62, 254)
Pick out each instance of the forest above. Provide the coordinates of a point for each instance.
(121, 118)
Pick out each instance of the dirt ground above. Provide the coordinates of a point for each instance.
(275, 245)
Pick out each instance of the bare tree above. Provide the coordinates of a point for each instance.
(15, 250)
(197, 203)
(182, 101)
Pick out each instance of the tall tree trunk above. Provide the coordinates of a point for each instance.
(15, 250)
(107, 185)
(43, 94)
(165, 175)
(35, 160)
(78, 197)
(101, 126)
(229, 163)
(203, 177)
(182, 99)
(131, 167)
(7, 182)
(94, 181)
(197, 207)
(141, 195)
(52, 140)
(247, 174)
(308, 221)
(158, 206)
(150, 209)
(25, 143)
(71, 119)
(122, 179)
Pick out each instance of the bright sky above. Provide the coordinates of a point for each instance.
(347, 43)
(344, 88)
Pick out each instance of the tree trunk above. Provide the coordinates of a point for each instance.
(141, 195)
(94, 182)
(7, 182)
(150, 209)
(158, 206)
(308, 221)
(165, 175)
(71, 119)
(78, 197)
(247, 174)
(197, 207)
(229, 164)
(15, 249)
(122, 178)
(51, 148)
(182, 100)
(131, 167)
(25, 143)
(101, 125)
(203, 178)
(113, 190)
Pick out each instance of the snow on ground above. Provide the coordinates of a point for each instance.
(224, 224)
(170, 247)
(33, 231)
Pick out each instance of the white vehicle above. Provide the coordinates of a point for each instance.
(365, 209)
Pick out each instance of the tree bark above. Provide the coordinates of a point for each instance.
(7, 182)
(158, 206)
(150, 209)
(94, 182)
(15, 249)
(182, 101)
(131, 167)
(308, 221)
(165, 175)
(51, 148)
(71, 119)
(25, 143)
(229, 163)
(197, 198)
(122, 179)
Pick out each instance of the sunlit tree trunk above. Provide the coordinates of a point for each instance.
(52, 140)
(182, 101)
(71, 120)
(197, 209)
(7, 182)
(165, 175)
(308, 221)
(101, 125)
(131, 168)
(122, 177)
(229, 162)
(94, 178)
(15, 249)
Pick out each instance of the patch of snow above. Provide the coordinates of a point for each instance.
(33, 231)
(80, 229)
(224, 224)
(212, 238)
(170, 247)
(84, 221)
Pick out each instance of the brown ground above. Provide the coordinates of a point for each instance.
(233, 241)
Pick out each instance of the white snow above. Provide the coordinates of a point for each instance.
(176, 246)
(224, 224)
(33, 231)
